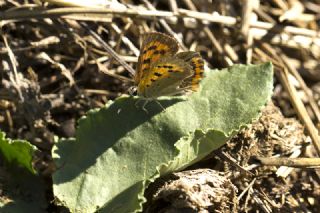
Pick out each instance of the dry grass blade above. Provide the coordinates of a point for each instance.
(301, 110)
(291, 162)
(305, 88)
(13, 74)
(295, 100)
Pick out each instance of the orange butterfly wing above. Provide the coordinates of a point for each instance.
(197, 63)
(154, 46)
(165, 77)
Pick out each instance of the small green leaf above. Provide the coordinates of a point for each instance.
(21, 191)
(119, 149)
(18, 152)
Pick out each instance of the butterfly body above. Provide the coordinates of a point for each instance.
(162, 72)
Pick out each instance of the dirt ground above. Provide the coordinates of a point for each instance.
(54, 69)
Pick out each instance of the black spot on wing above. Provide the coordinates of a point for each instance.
(147, 61)
(162, 52)
(153, 47)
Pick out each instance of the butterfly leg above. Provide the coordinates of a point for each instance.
(144, 104)
(146, 101)
(160, 105)
(136, 103)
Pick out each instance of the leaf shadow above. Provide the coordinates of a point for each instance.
(101, 130)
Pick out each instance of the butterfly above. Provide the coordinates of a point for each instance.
(161, 71)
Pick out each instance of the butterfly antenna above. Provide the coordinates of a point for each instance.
(109, 49)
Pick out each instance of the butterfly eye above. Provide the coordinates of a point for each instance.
(132, 90)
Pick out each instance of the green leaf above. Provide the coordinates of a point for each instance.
(119, 149)
(18, 152)
(21, 191)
